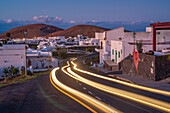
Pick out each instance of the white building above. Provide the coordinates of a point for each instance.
(39, 59)
(13, 54)
(57, 38)
(89, 41)
(117, 44)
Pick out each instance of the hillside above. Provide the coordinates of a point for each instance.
(33, 30)
(85, 30)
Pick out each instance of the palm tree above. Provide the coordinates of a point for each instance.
(8, 34)
(139, 46)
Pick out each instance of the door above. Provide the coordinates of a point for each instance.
(115, 55)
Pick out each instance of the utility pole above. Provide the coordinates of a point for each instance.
(48, 56)
(25, 33)
(134, 40)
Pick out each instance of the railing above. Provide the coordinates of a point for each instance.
(99, 47)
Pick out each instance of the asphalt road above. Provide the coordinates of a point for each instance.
(37, 96)
(40, 96)
(117, 102)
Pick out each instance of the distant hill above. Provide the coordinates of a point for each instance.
(85, 30)
(33, 30)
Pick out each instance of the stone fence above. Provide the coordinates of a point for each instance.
(149, 66)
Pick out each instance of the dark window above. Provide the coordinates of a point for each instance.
(101, 45)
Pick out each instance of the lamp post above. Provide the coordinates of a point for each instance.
(134, 40)
(25, 33)
(48, 56)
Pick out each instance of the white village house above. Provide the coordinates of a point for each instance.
(118, 43)
(13, 54)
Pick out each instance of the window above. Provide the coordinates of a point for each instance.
(101, 46)
(112, 51)
(119, 54)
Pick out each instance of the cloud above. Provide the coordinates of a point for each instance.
(94, 21)
(9, 21)
(73, 22)
(137, 25)
(47, 19)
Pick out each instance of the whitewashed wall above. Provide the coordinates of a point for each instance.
(12, 55)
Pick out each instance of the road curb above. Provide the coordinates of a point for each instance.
(122, 79)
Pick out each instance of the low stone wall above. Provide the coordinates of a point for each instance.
(162, 67)
(149, 66)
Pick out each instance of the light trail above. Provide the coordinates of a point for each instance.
(77, 96)
(121, 82)
(135, 97)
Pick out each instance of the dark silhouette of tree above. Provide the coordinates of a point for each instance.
(139, 46)
(8, 34)
(89, 49)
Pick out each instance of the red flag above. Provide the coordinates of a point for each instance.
(136, 59)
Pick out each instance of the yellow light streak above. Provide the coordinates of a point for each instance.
(135, 97)
(122, 82)
(88, 99)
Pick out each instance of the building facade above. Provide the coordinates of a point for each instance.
(118, 43)
(13, 54)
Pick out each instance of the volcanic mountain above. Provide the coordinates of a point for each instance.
(85, 30)
(33, 30)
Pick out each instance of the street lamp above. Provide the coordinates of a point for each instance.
(134, 40)
(48, 56)
(25, 34)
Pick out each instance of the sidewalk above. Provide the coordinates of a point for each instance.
(162, 84)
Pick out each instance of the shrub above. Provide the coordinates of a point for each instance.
(139, 46)
(98, 70)
(96, 59)
(62, 53)
(88, 61)
(3, 76)
(89, 49)
(50, 66)
(54, 53)
(115, 77)
(29, 73)
(11, 71)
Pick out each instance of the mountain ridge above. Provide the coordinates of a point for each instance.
(33, 30)
(85, 30)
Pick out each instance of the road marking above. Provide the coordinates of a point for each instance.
(99, 105)
(84, 88)
(69, 94)
(90, 92)
(121, 82)
(132, 96)
(98, 98)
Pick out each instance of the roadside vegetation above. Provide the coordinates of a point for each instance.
(13, 75)
(91, 61)
(62, 53)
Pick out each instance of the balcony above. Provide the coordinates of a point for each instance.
(99, 49)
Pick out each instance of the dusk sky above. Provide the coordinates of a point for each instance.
(66, 13)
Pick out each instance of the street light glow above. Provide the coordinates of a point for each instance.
(121, 82)
(132, 96)
(78, 96)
